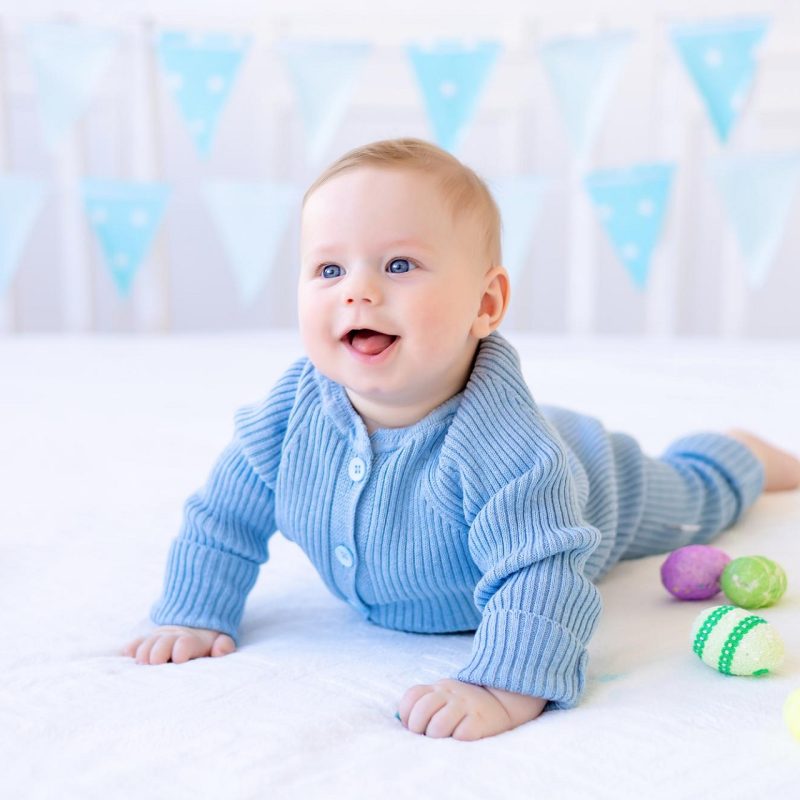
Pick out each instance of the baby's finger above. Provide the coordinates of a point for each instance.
(144, 648)
(445, 721)
(223, 645)
(130, 648)
(409, 698)
(424, 709)
(189, 646)
(161, 651)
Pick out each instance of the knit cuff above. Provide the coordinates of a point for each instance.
(527, 654)
(737, 463)
(204, 588)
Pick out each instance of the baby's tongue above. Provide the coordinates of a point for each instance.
(371, 342)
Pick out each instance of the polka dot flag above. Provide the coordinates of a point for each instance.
(125, 217)
(631, 204)
(451, 76)
(719, 58)
(200, 71)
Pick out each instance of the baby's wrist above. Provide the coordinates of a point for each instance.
(520, 707)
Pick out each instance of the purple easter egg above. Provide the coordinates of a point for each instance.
(693, 572)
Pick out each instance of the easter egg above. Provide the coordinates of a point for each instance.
(753, 582)
(735, 642)
(791, 713)
(693, 572)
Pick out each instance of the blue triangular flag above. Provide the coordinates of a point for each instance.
(68, 62)
(20, 201)
(451, 76)
(631, 204)
(251, 219)
(757, 192)
(519, 199)
(200, 71)
(719, 59)
(324, 75)
(583, 72)
(125, 216)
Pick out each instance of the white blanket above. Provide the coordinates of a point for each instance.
(102, 439)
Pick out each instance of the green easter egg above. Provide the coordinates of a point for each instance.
(736, 643)
(753, 582)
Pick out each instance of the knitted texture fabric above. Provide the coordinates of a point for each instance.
(489, 515)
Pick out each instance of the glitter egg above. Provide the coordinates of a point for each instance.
(693, 572)
(753, 582)
(736, 643)
(791, 713)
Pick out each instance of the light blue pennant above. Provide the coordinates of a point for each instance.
(757, 192)
(519, 199)
(720, 60)
(631, 204)
(125, 217)
(583, 72)
(200, 70)
(21, 200)
(451, 76)
(68, 63)
(251, 219)
(324, 76)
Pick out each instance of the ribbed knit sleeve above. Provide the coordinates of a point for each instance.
(527, 536)
(214, 562)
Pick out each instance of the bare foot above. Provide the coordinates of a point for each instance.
(781, 469)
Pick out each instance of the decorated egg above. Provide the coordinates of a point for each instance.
(753, 582)
(791, 713)
(693, 572)
(735, 642)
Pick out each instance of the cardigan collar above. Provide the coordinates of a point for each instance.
(337, 407)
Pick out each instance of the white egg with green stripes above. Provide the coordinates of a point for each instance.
(736, 642)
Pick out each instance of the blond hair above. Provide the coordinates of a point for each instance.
(462, 190)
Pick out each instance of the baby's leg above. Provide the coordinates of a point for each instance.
(700, 486)
(781, 469)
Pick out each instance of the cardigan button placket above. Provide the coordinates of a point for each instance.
(345, 552)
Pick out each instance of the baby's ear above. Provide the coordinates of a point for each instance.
(494, 302)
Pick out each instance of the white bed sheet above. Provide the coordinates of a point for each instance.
(103, 439)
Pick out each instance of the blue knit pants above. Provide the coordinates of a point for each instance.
(699, 486)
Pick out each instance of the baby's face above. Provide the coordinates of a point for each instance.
(380, 253)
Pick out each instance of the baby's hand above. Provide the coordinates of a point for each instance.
(465, 711)
(178, 644)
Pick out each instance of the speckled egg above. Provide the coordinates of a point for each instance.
(753, 582)
(734, 642)
(693, 572)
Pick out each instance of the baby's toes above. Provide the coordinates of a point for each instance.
(161, 651)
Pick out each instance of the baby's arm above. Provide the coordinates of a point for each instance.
(178, 644)
(465, 711)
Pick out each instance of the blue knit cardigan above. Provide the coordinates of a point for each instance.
(472, 519)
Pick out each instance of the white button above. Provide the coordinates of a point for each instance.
(344, 556)
(357, 469)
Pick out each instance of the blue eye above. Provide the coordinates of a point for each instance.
(406, 265)
(326, 271)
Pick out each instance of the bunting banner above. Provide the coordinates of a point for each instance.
(451, 76)
(125, 217)
(757, 192)
(519, 198)
(68, 62)
(719, 57)
(324, 76)
(251, 219)
(631, 204)
(200, 71)
(583, 73)
(21, 199)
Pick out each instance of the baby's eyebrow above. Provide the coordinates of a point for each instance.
(336, 247)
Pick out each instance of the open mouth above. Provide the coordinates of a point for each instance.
(369, 342)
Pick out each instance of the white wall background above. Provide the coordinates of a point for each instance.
(133, 131)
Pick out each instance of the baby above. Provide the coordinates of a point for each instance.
(407, 457)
